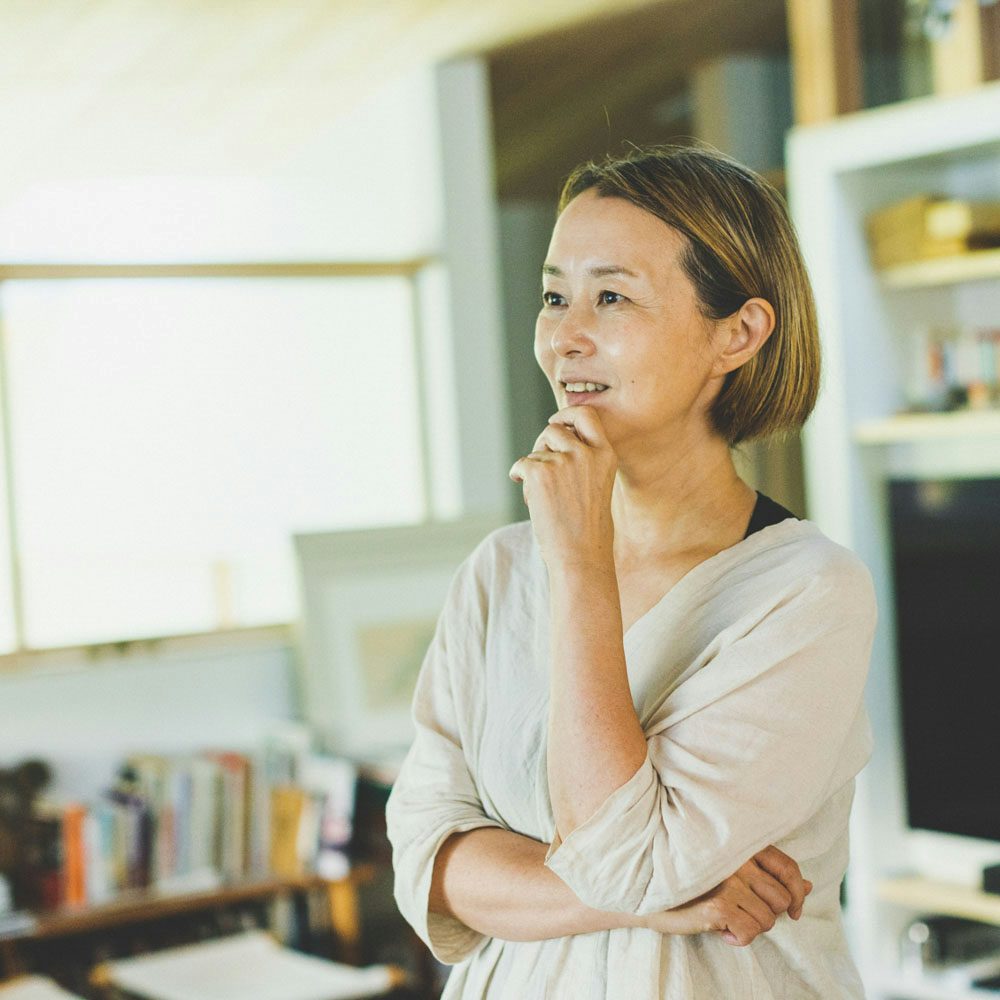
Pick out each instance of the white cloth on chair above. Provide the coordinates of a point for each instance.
(245, 965)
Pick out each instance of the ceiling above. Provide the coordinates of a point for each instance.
(245, 80)
(209, 44)
(211, 83)
(572, 94)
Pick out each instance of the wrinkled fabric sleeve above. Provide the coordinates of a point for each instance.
(741, 754)
(434, 794)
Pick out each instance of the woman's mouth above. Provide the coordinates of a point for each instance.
(582, 392)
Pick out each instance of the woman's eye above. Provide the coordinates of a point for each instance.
(608, 298)
(552, 298)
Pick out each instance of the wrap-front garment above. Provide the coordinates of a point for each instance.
(747, 677)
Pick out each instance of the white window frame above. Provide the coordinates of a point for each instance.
(410, 269)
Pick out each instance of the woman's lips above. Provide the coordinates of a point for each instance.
(583, 397)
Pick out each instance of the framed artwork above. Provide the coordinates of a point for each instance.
(370, 603)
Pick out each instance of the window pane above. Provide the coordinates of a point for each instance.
(7, 639)
(170, 435)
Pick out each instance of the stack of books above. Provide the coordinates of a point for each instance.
(928, 226)
(190, 822)
(952, 367)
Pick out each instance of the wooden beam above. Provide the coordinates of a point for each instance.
(826, 58)
(989, 21)
(221, 269)
(968, 53)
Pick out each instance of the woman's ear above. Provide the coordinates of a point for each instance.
(748, 329)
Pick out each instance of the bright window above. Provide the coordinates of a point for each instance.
(168, 435)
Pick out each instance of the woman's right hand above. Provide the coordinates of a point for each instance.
(742, 906)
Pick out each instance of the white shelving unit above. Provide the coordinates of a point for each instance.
(855, 443)
(981, 265)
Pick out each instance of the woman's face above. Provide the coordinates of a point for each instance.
(618, 310)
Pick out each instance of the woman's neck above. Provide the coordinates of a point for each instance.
(675, 500)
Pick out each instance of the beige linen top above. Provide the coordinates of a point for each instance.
(747, 677)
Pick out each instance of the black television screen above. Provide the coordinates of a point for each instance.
(946, 565)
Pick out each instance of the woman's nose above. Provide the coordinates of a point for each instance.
(572, 335)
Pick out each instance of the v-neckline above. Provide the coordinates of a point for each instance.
(691, 577)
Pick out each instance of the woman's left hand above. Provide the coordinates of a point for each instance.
(568, 480)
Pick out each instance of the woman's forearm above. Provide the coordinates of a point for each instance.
(595, 741)
(496, 882)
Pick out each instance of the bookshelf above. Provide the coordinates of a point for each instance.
(149, 904)
(954, 426)
(134, 907)
(859, 439)
(915, 989)
(978, 265)
(941, 897)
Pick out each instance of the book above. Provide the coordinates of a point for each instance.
(74, 857)
(332, 785)
(288, 806)
(235, 812)
(42, 875)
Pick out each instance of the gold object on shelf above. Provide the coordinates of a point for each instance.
(929, 227)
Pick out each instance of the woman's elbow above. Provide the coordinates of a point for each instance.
(442, 884)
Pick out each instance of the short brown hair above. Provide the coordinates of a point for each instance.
(740, 245)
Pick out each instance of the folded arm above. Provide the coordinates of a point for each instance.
(741, 754)
(495, 882)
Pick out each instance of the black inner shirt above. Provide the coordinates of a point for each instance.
(767, 511)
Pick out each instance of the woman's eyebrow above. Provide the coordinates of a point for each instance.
(601, 271)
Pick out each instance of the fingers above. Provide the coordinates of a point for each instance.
(797, 911)
(551, 441)
(558, 437)
(786, 871)
(760, 913)
(585, 422)
(768, 888)
(735, 912)
(742, 927)
(749, 902)
(519, 468)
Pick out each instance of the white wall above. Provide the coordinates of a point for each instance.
(83, 721)
(525, 230)
(365, 187)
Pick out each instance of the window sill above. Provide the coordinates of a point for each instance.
(173, 648)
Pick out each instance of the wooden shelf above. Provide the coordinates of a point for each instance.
(927, 989)
(977, 265)
(150, 904)
(941, 897)
(917, 427)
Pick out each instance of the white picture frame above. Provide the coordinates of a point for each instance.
(370, 602)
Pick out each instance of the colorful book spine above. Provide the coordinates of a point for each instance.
(74, 854)
(189, 820)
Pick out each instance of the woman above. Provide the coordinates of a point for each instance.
(641, 704)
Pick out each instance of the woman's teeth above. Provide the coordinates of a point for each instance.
(585, 387)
